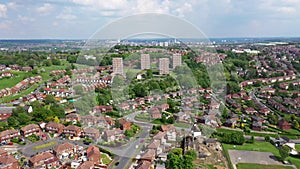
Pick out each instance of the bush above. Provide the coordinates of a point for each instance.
(233, 138)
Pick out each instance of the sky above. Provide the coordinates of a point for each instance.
(80, 19)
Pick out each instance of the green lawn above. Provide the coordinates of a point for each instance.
(105, 158)
(44, 145)
(295, 161)
(10, 82)
(261, 166)
(297, 146)
(256, 146)
(182, 125)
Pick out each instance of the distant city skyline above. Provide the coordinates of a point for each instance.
(80, 19)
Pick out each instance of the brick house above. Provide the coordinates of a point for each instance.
(124, 124)
(112, 135)
(43, 160)
(102, 109)
(64, 150)
(93, 154)
(284, 125)
(5, 112)
(73, 117)
(6, 135)
(149, 155)
(91, 133)
(8, 162)
(53, 127)
(30, 129)
(155, 113)
(72, 130)
(257, 125)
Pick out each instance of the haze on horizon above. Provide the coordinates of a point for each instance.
(80, 19)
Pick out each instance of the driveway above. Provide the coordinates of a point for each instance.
(241, 156)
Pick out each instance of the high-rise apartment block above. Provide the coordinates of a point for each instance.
(145, 61)
(176, 60)
(164, 66)
(118, 66)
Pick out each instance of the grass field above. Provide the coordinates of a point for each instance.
(261, 166)
(44, 145)
(105, 158)
(183, 125)
(295, 161)
(297, 146)
(256, 146)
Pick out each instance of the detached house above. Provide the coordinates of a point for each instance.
(93, 154)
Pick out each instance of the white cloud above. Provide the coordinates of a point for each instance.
(25, 18)
(112, 4)
(45, 8)
(12, 5)
(3, 10)
(286, 10)
(66, 14)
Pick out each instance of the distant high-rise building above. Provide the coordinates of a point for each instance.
(164, 66)
(176, 60)
(145, 61)
(118, 66)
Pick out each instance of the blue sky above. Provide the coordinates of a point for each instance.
(79, 19)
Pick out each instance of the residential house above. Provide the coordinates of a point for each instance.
(124, 124)
(72, 130)
(149, 155)
(30, 129)
(250, 110)
(53, 127)
(3, 152)
(155, 145)
(91, 133)
(161, 137)
(170, 131)
(144, 164)
(64, 150)
(284, 125)
(86, 165)
(8, 162)
(93, 154)
(102, 109)
(43, 160)
(6, 135)
(155, 113)
(5, 112)
(112, 135)
(74, 117)
(89, 120)
(257, 125)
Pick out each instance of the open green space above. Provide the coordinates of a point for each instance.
(105, 158)
(12, 81)
(256, 146)
(182, 125)
(44, 145)
(261, 166)
(295, 161)
(297, 146)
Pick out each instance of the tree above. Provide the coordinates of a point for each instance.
(192, 153)
(129, 133)
(188, 162)
(50, 99)
(284, 152)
